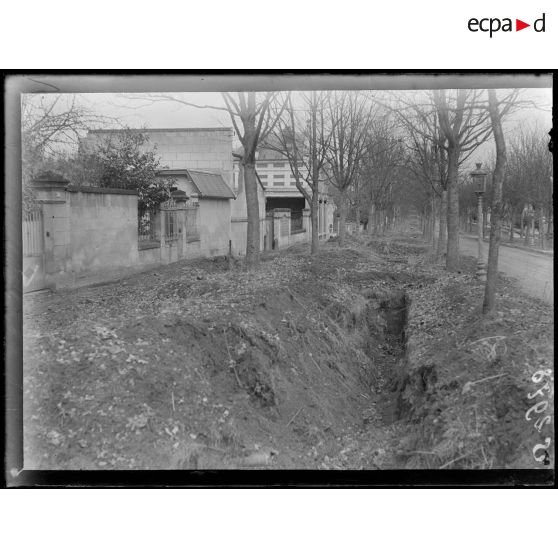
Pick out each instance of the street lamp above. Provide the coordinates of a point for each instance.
(479, 178)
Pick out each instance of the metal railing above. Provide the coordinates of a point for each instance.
(171, 224)
(148, 230)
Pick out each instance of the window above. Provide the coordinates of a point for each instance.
(276, 183)
(261, 165)
(278, 165)
(263, 176)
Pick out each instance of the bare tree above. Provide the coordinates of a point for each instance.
(379, 172)
(349, 114)
(51, 125)
(462, 124)
(427, 161)
(301, 138)
(496, 214)
(528, 179)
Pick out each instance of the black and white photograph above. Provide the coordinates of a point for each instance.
(325, 274)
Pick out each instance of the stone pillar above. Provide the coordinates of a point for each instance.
(51, 193)
(307, 223)
(180, 199)
(281, 228)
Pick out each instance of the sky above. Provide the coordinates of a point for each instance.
(143, 110)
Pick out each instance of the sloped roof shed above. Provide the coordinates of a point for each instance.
(210, 185)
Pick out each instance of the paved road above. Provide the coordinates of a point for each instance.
(534, 271)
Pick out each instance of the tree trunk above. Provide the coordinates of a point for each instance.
(433, 224)
(357, 218)
(315, 202)
(249, 143)
(342, 219)
(253, 215)
(443, 224)
(495, 222)
(541, 228)
(527, 239)
(512, 221)
(314, 208)
(452, 255)
(371, 216)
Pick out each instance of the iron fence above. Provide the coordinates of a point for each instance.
(148, 230)
(171, 224)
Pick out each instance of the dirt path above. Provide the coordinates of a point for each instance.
(533, 271)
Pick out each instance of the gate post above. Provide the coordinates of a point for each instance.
(51, 193)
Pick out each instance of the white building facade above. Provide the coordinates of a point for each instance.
(281, 192)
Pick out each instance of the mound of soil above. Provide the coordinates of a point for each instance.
(203, 365)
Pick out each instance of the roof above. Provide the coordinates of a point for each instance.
(210, 185)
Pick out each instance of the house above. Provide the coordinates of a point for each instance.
(277, 190)
(281, 192)
(209, 173)
(200, 161)
(210, 192)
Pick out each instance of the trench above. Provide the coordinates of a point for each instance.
(393, 310)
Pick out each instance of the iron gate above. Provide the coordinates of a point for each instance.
(33, 246)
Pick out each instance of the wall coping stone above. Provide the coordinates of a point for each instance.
(49, 185)
(91, 190)
(51, 201)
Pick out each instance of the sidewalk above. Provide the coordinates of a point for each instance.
(509, 244)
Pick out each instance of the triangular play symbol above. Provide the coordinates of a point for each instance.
(519, 25)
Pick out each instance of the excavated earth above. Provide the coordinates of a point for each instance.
(202, 365)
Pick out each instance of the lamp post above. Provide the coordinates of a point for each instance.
(479, 177)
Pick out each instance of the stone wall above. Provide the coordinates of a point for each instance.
(91, 234)
(215, 226)
(103, 229)
(86, 231)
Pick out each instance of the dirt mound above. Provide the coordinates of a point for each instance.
(204, 366)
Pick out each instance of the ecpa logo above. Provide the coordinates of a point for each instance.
(494, 24)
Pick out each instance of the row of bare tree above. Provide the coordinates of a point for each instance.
(527, 192)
